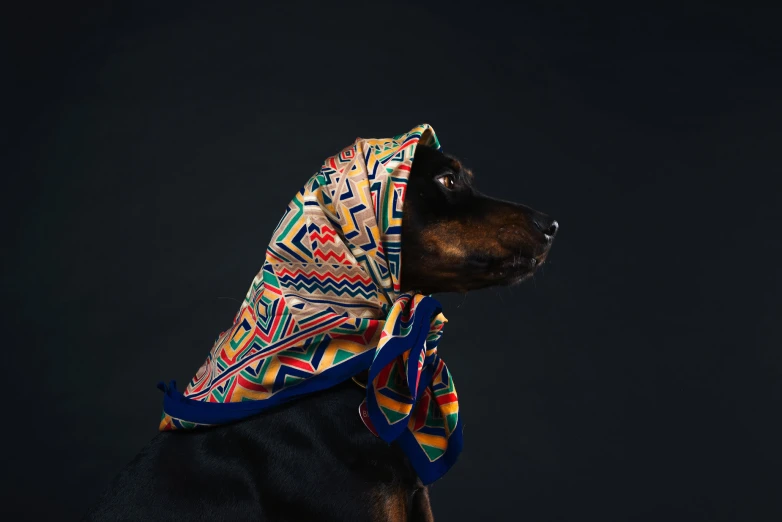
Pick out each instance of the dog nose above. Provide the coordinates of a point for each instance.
(548, 226)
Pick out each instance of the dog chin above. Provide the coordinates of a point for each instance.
(515, 277)
(518, 270)
(520, 278)
(508, 277)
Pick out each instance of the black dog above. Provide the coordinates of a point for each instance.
(313, 458)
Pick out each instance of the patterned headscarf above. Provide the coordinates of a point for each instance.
(326, 305)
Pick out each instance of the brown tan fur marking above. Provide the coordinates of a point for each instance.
(390, 505)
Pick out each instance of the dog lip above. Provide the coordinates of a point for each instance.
(478, 263)
(507, 270)
(521, 262)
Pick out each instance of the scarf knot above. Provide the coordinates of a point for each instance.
(411, 397)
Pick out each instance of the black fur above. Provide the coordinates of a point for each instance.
(311, 459)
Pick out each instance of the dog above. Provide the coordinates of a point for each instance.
(454, 239)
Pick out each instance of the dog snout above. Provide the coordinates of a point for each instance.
(547, 226)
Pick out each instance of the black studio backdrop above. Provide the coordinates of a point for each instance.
(151, 149)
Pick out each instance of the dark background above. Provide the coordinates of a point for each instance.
(152, 150)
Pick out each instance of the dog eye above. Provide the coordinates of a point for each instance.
(446, 181)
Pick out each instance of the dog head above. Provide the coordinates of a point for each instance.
(455, 239)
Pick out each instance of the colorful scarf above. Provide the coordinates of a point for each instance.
(327, 305)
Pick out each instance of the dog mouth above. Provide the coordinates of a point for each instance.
(507, 270)
(520, 263)
(518, 268)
